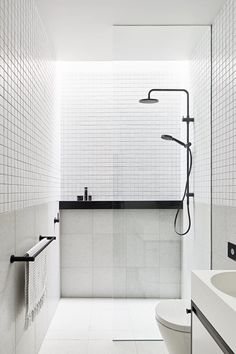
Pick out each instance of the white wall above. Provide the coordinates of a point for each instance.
(29, 159)
(110, 142)
(29, 169)
(196, 245)
(223, 135)
(223, 151)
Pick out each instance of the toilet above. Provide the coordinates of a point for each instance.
(175, 325)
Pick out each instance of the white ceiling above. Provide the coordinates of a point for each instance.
(83, 29)
(156, 43)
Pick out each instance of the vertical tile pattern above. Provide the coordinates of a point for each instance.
(144, 166)
(223, 135)
(29, 168)
(196, 246)
(223, 125)
(201, 108)
(120, 253)
(110, 142)
(29, 159)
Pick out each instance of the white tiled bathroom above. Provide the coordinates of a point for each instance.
(117, 170)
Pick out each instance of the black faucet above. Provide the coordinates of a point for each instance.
(85, 193)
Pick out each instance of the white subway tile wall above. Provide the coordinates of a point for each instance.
(145, 166)
(224, 136)
(201, 109)
(223, 124)
(199, 237)
(29, 128)
(110, 142)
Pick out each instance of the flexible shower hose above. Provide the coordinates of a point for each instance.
(184, 196)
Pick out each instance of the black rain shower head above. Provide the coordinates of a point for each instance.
(148, 100)
(169, 137)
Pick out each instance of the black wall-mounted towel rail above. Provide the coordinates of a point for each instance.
(27, 258)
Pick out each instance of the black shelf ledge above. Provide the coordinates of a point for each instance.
(152, 204)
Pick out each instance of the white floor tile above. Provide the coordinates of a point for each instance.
(123, 334)
(100, 334)
(101, 320)
(68, 333)
(100, 347)
(145, 335)
(140, 319)
(151, 348)
(64, 347)
(121, 320)
(124, 348)
(87, 326)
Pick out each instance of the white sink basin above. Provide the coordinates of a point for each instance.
(214, 293)
(225, 282)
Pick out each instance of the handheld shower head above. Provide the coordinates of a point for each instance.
(166, 137)
(169, 137)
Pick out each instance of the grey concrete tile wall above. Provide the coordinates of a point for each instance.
(120, 253)
(19, 231)
(223, 231)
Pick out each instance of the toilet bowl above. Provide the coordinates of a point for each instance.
(175, 325)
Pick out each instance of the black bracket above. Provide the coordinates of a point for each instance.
(188, 120)
(27, 258)
(41, 237)
(190, 195)
(56, 219)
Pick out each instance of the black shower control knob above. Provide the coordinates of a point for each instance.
(232, 251)
(188, 311)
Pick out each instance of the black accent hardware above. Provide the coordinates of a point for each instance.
(190, 195)
(211, 330)
(27, 258)
(85, 193)
(56, 219)
(189, 120)
(188, 311)
(80, 198)
(232, 251)
(136, 204)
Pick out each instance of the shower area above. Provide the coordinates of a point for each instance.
(119, 248)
